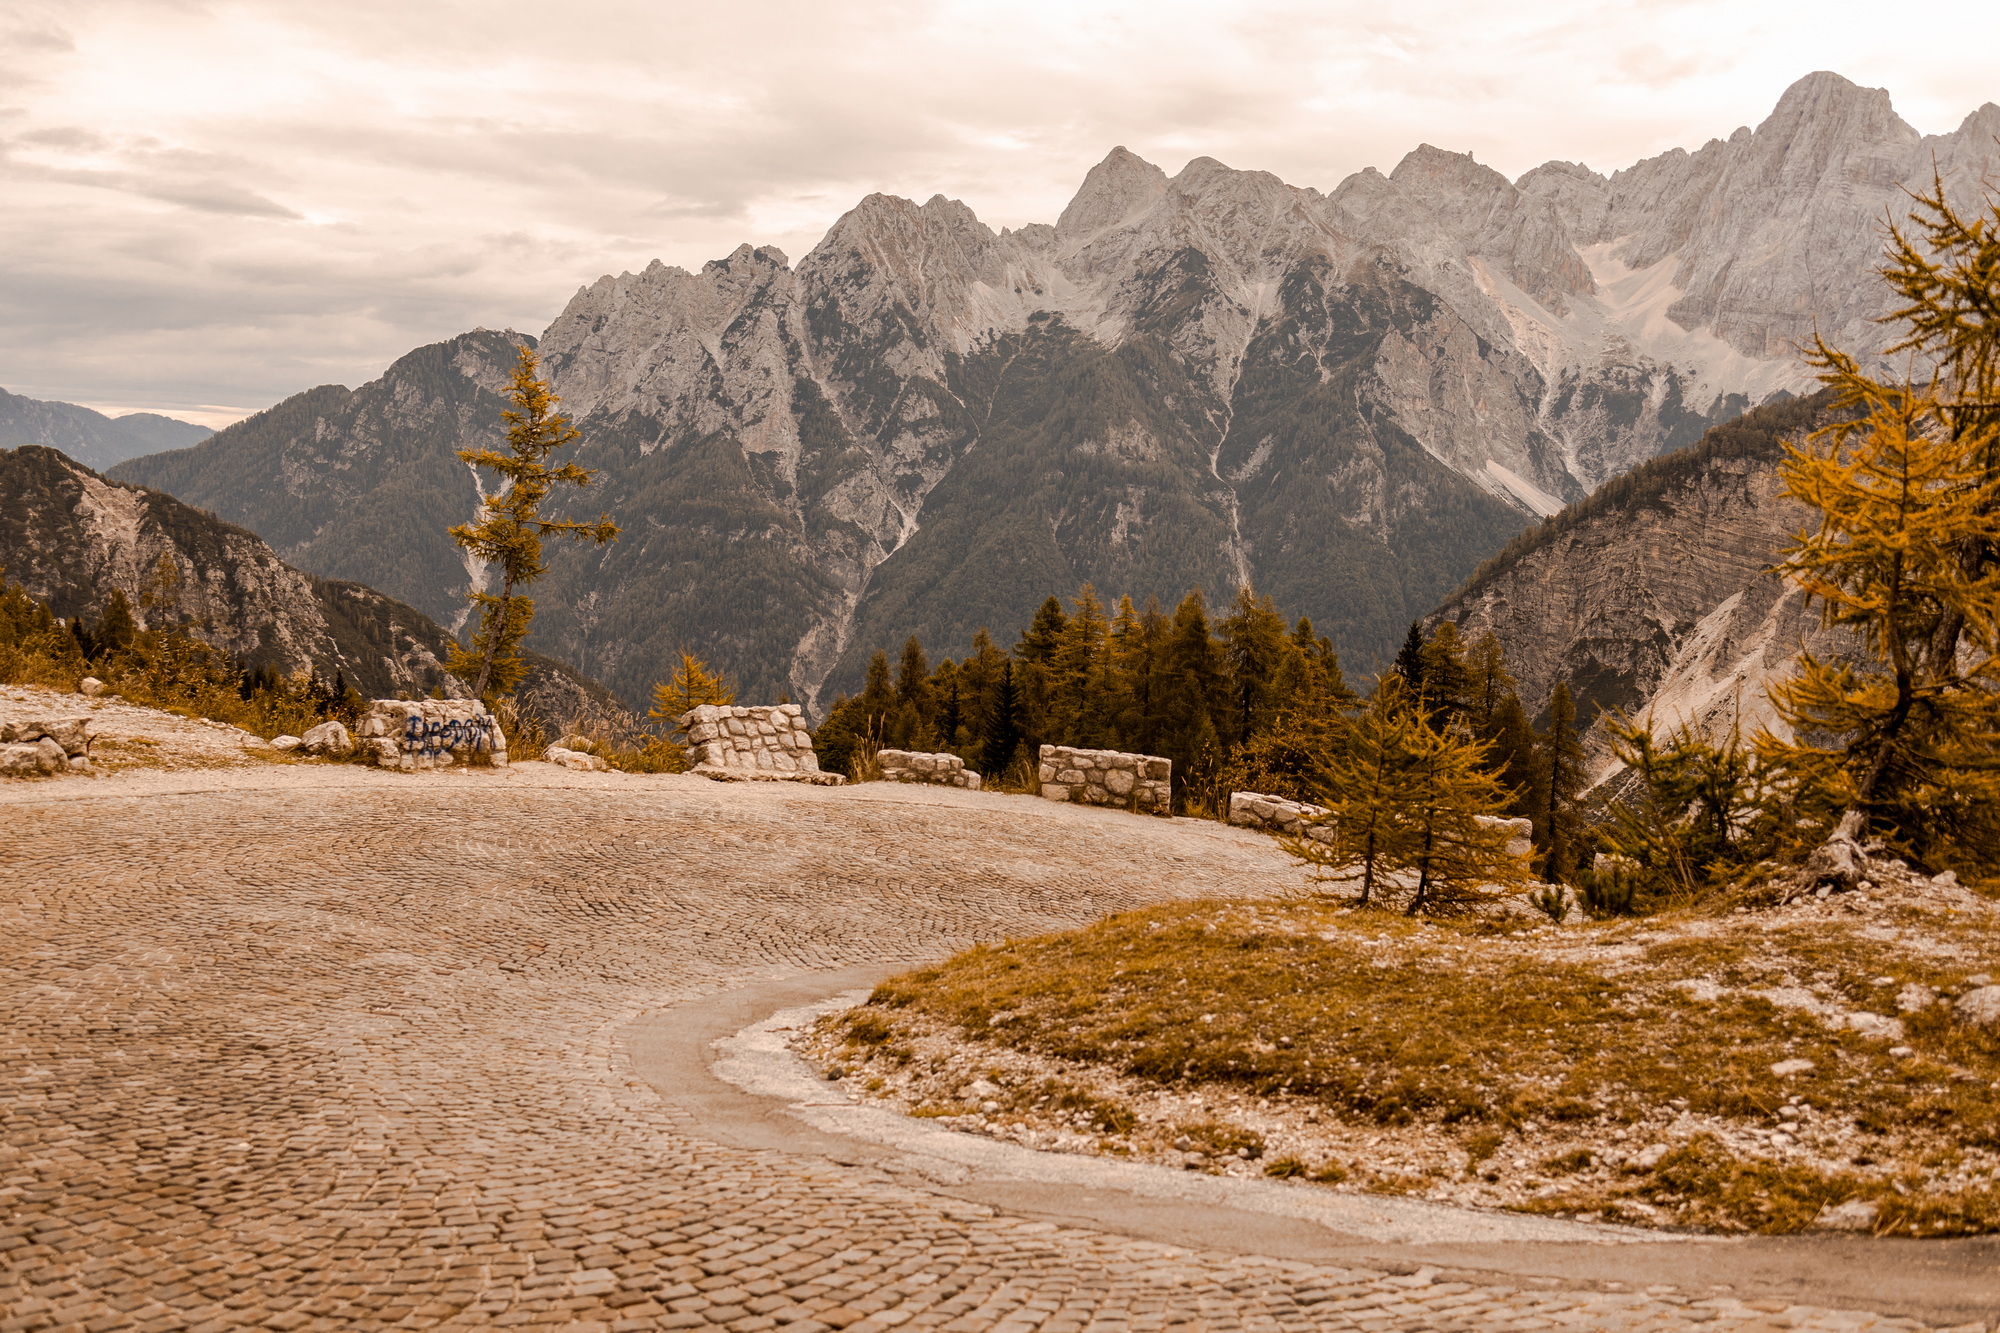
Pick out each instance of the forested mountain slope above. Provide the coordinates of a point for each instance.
(1347, 399)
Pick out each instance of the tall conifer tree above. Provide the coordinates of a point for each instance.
(510, 527)
(1559, 780)
(1256, 651)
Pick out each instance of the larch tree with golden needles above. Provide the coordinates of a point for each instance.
(1906, 484)
(1368, 783)
(511, 527)
(1459, 860)
(1404, 796)
(691, 684)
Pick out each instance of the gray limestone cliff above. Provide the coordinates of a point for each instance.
(1656, 597)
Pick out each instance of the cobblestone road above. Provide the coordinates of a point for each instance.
(349, 1057)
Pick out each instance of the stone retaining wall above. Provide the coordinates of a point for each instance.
(430, 733)
(944, 770)
(766, 743)
(1275, 814)
(1139, 782)
(1521, 834)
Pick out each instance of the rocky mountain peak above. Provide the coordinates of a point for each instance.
(1985, 121)
(1427, 164)
(768, 258)
(913, 245)
(1114, 191)
(1563, 171)
(1837, 109)
(1439, 205)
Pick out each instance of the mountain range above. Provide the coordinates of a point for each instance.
(1347, 399)
(90, 437)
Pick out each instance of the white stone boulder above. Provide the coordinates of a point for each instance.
(1873, 1025)
(1981, 1008)
(22, 761)
(1854, 1215)
(576, 759)
(72, 735)
(286, 742)
(92, 686)
(329, 738)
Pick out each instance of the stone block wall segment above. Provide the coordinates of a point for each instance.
(413, 734)
(944, 770)
(1275, 814)
(764, 743)
(1139, 782)
(1520, 833)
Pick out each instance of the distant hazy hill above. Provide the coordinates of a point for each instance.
(91, 438)
(1349, 399)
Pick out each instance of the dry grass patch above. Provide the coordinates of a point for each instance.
(1621, 1070)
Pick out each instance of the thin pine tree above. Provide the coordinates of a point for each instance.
(510, 527)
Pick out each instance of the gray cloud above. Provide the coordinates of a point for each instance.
(37, 40)
(211, 207)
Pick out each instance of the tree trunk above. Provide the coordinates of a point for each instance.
(1368, 869)
(493, 638)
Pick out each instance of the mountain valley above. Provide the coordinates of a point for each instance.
(70, 538)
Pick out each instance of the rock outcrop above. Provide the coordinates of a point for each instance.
(1656, 597)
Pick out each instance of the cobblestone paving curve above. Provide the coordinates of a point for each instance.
(348, 1058)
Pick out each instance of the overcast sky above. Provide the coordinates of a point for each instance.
(205, 207)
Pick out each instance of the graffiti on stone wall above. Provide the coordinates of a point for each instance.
(432, 737)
